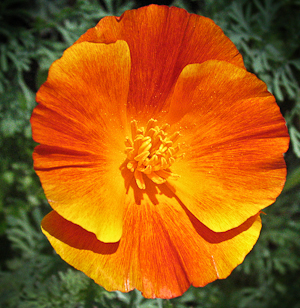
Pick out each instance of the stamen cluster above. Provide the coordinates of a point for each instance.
(152, 152)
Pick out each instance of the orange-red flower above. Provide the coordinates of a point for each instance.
(158, 150)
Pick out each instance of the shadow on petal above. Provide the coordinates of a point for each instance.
(75, 236)
(152, 190)
(206, 233)
(217, 237)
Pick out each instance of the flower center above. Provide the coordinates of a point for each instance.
(152, 152)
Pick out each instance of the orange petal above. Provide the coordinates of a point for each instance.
(235, 138)
(164, 248)
(162, 41)
(77, 106)
(79, 122)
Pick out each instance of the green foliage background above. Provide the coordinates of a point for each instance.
(34, 33)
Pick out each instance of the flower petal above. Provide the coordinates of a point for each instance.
(76, 103)
(235, 138)
(80, 124)
(162, 42)
(164, 248)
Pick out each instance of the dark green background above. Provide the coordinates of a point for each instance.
(35, 33)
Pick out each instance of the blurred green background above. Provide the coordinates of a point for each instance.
(34, 33)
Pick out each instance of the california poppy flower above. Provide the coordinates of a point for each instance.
(158, 150)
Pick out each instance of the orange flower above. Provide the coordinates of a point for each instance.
(157, 152)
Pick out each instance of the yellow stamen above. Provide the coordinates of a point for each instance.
(151, 153)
